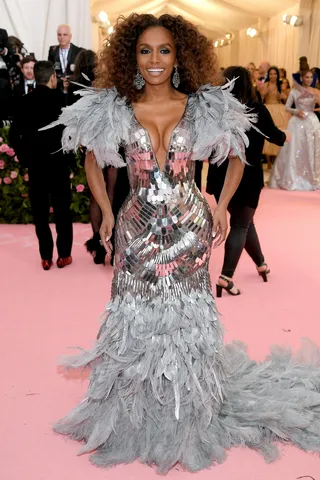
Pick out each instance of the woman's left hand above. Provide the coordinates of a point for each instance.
(220, 226)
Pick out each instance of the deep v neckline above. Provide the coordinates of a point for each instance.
(170, 138)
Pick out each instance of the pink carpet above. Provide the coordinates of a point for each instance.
(42, 313)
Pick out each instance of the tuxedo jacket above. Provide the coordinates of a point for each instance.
(37, 109)
(54, 57)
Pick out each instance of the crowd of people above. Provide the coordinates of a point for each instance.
(296, 166)
(33, 93)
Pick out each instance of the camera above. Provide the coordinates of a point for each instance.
(58, 69)
(3, 39)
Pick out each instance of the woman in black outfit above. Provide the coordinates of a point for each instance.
(117, 182)
(244, 203)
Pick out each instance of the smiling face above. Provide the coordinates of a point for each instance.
(156, 55)
(307, 79)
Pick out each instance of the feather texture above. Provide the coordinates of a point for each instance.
(99, 121)
(220, 123)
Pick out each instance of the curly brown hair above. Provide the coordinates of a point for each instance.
(117, 64)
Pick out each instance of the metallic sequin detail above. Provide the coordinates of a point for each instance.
(163, 234)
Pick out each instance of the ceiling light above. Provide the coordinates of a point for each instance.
(293, 20)
(103, 17)
(224, 41)
(110, 30)
(252, 32)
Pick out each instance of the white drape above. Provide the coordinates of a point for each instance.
(35, 22)
(283, 42)
(309, 44)
(277, 43)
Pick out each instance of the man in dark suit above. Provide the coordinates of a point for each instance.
(27, 82)
(63, 56)
(48, 167)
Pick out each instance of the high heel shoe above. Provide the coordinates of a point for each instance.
(96, 249)
(228, 288)
(264, 274)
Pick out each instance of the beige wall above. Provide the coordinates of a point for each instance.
(277, 43)
(309, 38)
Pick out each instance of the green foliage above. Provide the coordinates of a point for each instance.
(14, 191)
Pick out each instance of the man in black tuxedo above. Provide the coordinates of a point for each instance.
(48, 167)
(63, 56)
(27, 82)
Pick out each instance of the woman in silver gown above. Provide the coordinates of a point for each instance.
(164, 389)
(297, 166)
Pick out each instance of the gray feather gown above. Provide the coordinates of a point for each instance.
(164, 389)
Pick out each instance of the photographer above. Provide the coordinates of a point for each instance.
(7, 65)
(63, 56)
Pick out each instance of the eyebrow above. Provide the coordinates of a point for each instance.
(162, 45)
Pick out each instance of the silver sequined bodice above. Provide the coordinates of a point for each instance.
(164, 229)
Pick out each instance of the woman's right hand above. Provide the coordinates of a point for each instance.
(301, 114)
(106, 232)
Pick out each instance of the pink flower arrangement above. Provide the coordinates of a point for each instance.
(4, 148)
(10, 152)
(80, 188)
(26, 177)
(51, 209)
(13, 174)
(7, 180)
(2, 164)
(16, 159)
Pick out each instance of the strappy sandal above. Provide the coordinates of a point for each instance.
(228, 288)
(265, 272)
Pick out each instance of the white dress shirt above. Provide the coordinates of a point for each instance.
(63, 54)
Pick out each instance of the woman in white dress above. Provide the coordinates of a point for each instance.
(297, 166)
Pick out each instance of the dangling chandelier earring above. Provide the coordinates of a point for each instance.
(176, 78)
(138, 81)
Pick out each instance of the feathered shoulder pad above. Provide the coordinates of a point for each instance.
(220, 122)
(99, 121)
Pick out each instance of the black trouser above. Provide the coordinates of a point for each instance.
(198, 173)
(242, 235)
(51, 187)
